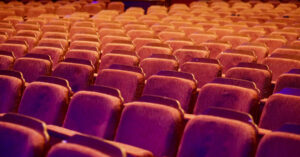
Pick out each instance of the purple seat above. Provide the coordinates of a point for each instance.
(46, 99)
(92, 56)
(33, 66)
(205, 70)
(22, 136)
(99, 109)
(281, 63)
(130, 84)
(177, 85)
(19, 48)
(153, 126)
(186, 53)
(232, 57)
(7, 59)
(118, 57)
(284, 142)
(12, 85)
(85, 146)
(215, 134)
(158, 62)
(78, 72)
(257, 73)
(282, 107)
(56, 54)
(290, 79)
(240, 95)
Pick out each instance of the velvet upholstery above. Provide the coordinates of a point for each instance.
(272, 41)
(201, 37)
(148, 50)
(204, 72)
(278, 144)
(99, 114)
(130, 84)
(227, 96)
(186, 53)
(287, 80)
(216, 47)
(260, 50)
(176, 44)
(84, 54)
(117, 46)
(17, 49)
(154, 127)
(22, 140)
(78, 75)
(10, 93)
(280, 109)
(280, 65)
(212, 136)
(114, 58)
(32, 68)
(45, 101)
(6, 60)
(262, 78)
(141, 41)
(174, 87)
(153, 65)
(56, 54)
(236, 40)
(230, 59)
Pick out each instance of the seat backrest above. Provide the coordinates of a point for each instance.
(240, 95)
(205, 70)
(12, 83)
(24, 134)
(79, 72)
(258, 73)
(283, 142)
(158, 62)
(130, 84)
(177, 85)
(288, 80)
(99, 109)
(46, 99)
(156, 127)
(33, 66)
(221, 127)
(281, 107)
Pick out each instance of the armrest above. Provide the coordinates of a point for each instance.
(57, 133)
(132, 151)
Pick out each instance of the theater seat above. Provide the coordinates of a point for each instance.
(283, 142)
(99, 108)
(240, 95)
(33, 66)
(258, 73)
(46, 99)
(205, 70)
(153, 126)
(172, 84)
(78, 72)
(157, 63)
(7, 59)
(215, 134)
(130, 84)
(12, 85)
(289, 79)
(281, 107)
(22, 136)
